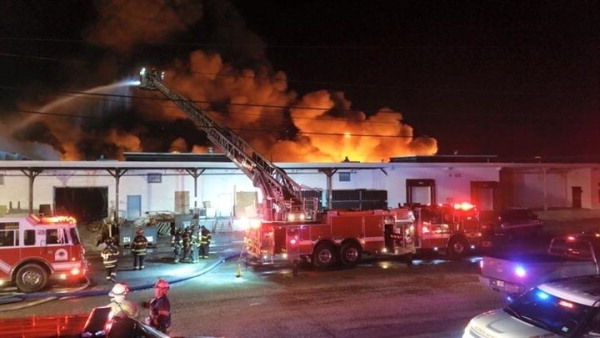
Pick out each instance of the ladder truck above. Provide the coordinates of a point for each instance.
(292, 228)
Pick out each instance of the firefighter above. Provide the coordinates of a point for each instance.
(138, 248)
(177, 243)
(205, 238)
(109, 259)
(186, 242)
(160, 307)
(194, 243)
(120, 306)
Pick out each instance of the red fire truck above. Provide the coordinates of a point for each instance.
(293, 227)
(34, 250)
(337, 236)
(452, 229)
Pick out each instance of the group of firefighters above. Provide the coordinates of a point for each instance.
(159, 307)
(189, 245)
(110, 254)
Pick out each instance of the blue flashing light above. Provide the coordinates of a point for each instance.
(520, 271)
(542, 295)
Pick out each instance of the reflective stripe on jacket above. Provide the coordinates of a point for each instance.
(206, 237)
(109, 256)
(139, 245)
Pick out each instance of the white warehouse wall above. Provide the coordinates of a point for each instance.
(453, 183)
(595, 188)
(580, 178)
(217, 186)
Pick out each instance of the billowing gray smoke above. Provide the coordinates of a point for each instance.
(228, 73)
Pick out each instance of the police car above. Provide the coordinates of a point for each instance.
(563, 308)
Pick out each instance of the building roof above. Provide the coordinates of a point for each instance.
(494, 159)
(175, 157)
(447, 159)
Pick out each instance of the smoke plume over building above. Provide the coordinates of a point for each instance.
(227, 75)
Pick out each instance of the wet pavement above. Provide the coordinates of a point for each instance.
(159, 263)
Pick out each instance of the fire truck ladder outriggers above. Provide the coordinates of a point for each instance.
(281, 195)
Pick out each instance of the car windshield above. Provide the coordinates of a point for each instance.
(549, 312)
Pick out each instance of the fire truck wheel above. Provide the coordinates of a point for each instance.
(457, 247)
(31, 278)
(350, 253)
(324, 256)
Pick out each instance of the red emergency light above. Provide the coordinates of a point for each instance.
(464, 206)
(58, 219)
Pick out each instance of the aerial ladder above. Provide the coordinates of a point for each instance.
(291, 227)
(282, 196)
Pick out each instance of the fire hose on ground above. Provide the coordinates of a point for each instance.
(80, 292)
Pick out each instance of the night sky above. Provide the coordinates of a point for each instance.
(512, 78)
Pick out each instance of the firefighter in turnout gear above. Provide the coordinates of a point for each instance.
(177, 243)
(186, 240)
(205, 238)
(160, 307)
(195, 243)
(120, 306)
(139, 247)
(109, 258)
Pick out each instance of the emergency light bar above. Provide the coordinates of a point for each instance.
(55, 219)
(58, 219)
(465, 206)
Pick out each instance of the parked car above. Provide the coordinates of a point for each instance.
(567, 256)
(564, 308)
(518, 222)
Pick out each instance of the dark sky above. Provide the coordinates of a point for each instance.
(512, 78)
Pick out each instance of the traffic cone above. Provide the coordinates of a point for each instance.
(238, 274)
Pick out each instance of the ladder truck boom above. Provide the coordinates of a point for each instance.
(278, 188)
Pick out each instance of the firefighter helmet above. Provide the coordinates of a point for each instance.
(119, 289)
(162, 284)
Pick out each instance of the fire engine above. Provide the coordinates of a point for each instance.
(291, 227)
(34, 250)
(451, 228)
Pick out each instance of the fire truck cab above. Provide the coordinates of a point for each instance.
(452, 229)
(336, 237)
(35, 249)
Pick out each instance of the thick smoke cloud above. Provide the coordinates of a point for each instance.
(231, 80)
(123, 24)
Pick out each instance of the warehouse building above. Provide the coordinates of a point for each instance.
(212, 185)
